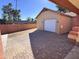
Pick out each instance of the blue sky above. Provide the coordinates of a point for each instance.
(29, 8)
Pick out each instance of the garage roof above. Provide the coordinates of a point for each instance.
(46, 9)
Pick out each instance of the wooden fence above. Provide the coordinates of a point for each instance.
(9, 28)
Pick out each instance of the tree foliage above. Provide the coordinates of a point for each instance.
(16, 15)
(29, 19)
(62, 9)
(10, 15)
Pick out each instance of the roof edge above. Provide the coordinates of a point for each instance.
(45, 9)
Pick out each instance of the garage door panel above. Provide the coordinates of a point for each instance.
(50, 25)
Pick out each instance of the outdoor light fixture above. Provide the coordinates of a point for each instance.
(75, 3)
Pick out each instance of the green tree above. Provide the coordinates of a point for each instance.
(29, 19)
(16, 15)
(7, 13)
(10, 14)
(62, 9)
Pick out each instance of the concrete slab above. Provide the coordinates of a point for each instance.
(73, 54)
(1, 48)
(4, 41)
(18, 45)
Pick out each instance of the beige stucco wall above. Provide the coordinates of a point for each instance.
(44, 16)
(76, 21)
(65, 23)
(61, 19)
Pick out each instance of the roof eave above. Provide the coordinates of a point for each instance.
(66, 4)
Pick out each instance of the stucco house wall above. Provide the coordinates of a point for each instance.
(76, 21)
(64, 23)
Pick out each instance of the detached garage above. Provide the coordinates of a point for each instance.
(53, 21)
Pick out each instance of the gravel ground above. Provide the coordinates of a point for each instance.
(48, 45)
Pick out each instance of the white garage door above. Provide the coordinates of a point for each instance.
(50, 25)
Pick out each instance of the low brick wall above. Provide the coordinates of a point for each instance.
(1, 49)
(9, 28)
